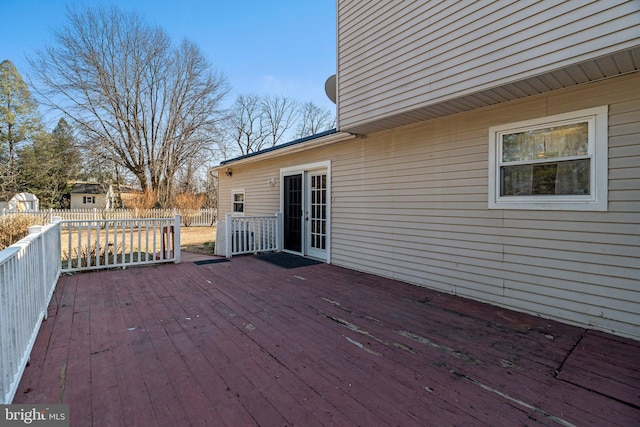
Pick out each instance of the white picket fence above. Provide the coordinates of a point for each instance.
(29, 270)
(98, 244)
(190, 217)
(251, 234)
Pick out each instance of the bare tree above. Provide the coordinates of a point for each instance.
(140, 101)
(314, 119)
(258, 122)
(246, 125)
(280, 114)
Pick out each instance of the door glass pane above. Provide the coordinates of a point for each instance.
(293, 213)
(318, 211)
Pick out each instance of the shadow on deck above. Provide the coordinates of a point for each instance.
(248, 343)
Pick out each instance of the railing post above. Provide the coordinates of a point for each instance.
(278, 228)
(228, 235)
(176, 238)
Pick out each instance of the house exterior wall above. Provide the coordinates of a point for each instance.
(399, 56)
(412, 204)
(77, 201)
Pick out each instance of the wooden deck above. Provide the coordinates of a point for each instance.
(244, 343)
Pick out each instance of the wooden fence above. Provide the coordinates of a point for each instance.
(190, 217)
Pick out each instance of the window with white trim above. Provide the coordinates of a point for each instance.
(556, 163)
(237, 202)
(88, 200)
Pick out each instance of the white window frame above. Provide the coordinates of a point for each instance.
(597, 119)
(233, 202)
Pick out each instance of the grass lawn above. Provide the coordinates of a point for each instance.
(200, 240)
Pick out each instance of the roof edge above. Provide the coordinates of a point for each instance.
(329, 136)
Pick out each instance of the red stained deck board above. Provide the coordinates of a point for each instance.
(196, 408)
(373, 388)
(248, 343)
(77, 386)
(133, 390)
(241, 326)
(542, 387)
(242, 358)
(607, 366)
(170, 319)
(290, 339)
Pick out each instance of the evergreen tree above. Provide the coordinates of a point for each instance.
(48, 164)
(19, 122)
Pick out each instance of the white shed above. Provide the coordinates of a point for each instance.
(21, 202)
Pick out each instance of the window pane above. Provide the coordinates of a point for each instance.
(558, 178)
(548, 143)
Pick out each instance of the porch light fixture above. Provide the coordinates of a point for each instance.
(228, 172)
(271, 182)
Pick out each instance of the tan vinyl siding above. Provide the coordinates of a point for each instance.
(411, 204)
(394, 57)
(259, 198)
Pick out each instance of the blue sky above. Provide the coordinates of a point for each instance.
(261, 46)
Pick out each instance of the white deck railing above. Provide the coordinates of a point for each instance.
(29, 270)
(97, 244)
(190, 217)
(251, 234)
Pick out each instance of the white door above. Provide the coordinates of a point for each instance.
(315, 214)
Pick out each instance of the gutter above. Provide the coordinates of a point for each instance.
(313, 141)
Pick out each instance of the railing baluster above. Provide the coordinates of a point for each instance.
(98, 232)
(155, 247)
(124, 244)
(146, 244)
(115, 242)
(131, 227)
(138, 228)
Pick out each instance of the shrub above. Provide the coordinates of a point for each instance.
(189, 205)
(13, 227)
(142, 201)
(189, 201)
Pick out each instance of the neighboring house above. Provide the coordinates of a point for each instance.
(89, 195)
(21, 202)
(485, 149)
